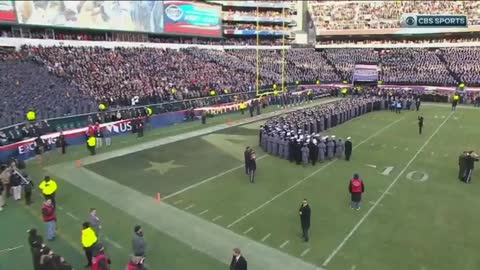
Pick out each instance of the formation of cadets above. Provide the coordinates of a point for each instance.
(297, 136)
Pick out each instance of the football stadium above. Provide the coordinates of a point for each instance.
(261, 135)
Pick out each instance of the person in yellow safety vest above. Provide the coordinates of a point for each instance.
(149, 111)
(89, 240)
(91, 143)
(456, 98)
(31, 115)
(344, 92)
(243, 106)
(310, 95)
(49, 187)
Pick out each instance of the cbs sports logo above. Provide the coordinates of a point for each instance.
(416, 20)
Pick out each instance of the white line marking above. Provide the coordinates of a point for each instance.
(190, 206)
(249, 230)
(177, 202)
(60, 208)
(355, 228)
(373, 203)
(371, 166)
(395, 147)
(388, 193)
(353, 267)
(72, 216)
(305, 252)
(203, 212)
(210, 179)
(216, 218)
(10, 249)
(266, 237)
(406, 149)
(113, 243)
(284, 244)
(308, 176)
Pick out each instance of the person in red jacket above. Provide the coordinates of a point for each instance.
(136, 263)
(356, 188)
(50, 218)
(100, 260)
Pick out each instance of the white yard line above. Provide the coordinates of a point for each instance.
(308, 176)
(377, 202)
(10, 249)
(305, 252)
(266, 237)
(72, 216)
(284, 244)
(190, 206)
(203, 212)
(216, 218)
(249, 230)
(210, 179)
(113, 243)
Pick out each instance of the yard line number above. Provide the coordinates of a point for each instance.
(417, 176)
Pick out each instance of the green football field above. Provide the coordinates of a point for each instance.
(415, 213)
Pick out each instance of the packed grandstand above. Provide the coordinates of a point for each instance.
(69, 80)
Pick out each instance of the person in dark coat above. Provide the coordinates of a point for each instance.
(238, 261)
(356, 188)
(27, 188)
(36, 243)
(348, 149)
(304, 212)
(461, 165)
(420, 124)
(470, 160)
(252, 165)
(246, 155)
(61, 143)
(313, 151)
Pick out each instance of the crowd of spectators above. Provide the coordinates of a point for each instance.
(400, 41)
(414, 66)
(464, 62)
(135, 37)
(277, 14)
(59, 81)
(343, 15)
(253, 26)
(345, 59)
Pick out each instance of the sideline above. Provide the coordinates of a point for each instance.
(387, 190)
(310, 175)
(183, 136)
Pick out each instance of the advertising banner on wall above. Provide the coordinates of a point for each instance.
(133, 16)
(192, 18)
(7, 11)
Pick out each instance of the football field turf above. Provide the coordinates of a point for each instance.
(415, 213)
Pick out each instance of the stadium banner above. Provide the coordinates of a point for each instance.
(365, 73)
(7, 11)
(192, 18)
(133, 16)
(246, 18)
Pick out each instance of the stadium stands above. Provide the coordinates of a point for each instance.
(87, 76)
(343, 15)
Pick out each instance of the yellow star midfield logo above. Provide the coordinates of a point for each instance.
(163, 167)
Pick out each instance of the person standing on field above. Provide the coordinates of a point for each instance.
(246, 155)
(238, 261)
(356, 188)
(50, 218)
(348, 148)
(304, 212)
(461, 165)
(94, 221)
